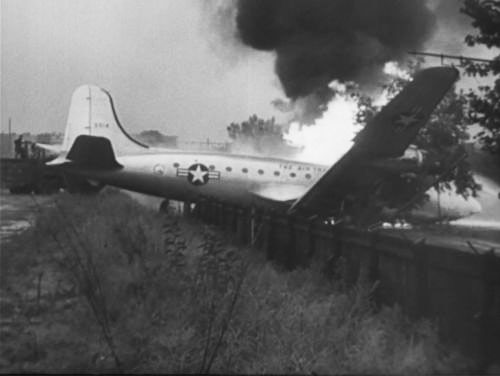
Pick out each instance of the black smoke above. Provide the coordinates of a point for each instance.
(317, 41)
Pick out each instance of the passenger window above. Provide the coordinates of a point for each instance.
(229, 169)
(245, 170)
(276, 173)
(211, 167)
(292, 174)
(261, 172)
(176, 164)
(308, 176)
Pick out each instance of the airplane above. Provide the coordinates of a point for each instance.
(97, 151)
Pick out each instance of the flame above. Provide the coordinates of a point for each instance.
(331, 136)
(393, 69)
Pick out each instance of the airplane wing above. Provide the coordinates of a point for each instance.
(387, 135)
(280, 192)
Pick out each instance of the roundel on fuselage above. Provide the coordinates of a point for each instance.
(198, 174)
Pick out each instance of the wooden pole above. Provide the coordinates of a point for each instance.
(10, 137)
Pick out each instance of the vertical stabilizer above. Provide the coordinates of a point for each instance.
(92, 113)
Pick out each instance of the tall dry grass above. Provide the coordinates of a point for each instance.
(176, 296)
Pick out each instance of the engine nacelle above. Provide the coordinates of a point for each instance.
(412, 160)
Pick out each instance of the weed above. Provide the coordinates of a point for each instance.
(163, 297)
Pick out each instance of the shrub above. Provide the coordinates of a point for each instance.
(163, 296)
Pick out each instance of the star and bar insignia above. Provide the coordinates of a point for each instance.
(198, 174)
(408, 119)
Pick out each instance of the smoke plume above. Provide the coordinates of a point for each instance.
(317, 41)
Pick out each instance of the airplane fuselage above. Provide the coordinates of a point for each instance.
(188, 176)
(237, 179)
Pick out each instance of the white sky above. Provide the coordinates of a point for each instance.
(154, 56)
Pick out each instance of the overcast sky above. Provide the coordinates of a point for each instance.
(156, 57)
(153, 56)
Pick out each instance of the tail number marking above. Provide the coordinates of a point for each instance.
(101, 125)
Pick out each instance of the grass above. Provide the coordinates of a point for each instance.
(127, 289)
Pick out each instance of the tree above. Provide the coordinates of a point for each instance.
(484, 104)
(257, 135)
(156, 138)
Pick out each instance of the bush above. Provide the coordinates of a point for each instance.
(163, 296)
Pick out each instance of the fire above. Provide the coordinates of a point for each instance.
(331, 136)
(393, 69)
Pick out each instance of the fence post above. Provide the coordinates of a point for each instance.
(227, 217)
(213, 212)
(291, 249)
(373, 272)
(252, 224)
(421, 255)
(234, 219)
(202, 212)
(373, 268)
(269, 236)
(242, 226)
(489, 321)
(311, 240)
(259, 228)
(332, 262)
(219, 217)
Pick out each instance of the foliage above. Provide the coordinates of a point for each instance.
(178, 301)
(156, 138)
(485, 101)
(257, 135)
(49, 138)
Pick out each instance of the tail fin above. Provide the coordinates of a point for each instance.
(92, 113)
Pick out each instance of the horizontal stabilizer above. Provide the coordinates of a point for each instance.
(93, 152)
(54, 149)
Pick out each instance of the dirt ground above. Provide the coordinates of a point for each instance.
(16, 213)
(27, 279)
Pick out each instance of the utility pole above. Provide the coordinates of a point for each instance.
(10, 136)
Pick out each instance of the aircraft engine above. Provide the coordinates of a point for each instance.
(412, 160)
